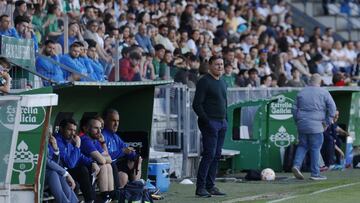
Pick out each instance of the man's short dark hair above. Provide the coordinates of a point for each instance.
(83, 122)
(193, 57)
(75, 44)
(252, 70)
(214, 58)
(89, 121)
(253, 47)
(122, 28)
(19, 3)
(159, 47)
(92, 22)
(49, 41)
(66, 121)
(228, 63)
(163, 26)
(3, 16)
(89, 7)
(107, 112)
(112, 28)
(171, 14)
(125, 51)
(135, 55)
(5, 62)
(21, 19)
(91, 43)
(79, 43)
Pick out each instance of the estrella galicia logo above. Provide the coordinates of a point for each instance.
(30, 118)
(281, 109)
(282, 138)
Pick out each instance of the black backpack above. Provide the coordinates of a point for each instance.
(135, 191)
(253, 175)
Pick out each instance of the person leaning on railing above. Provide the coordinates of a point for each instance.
(5, 79)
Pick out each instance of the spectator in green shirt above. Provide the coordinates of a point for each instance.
(159, 55)
(229, 77)
(51, 26)
(37, 20)
(167, 70)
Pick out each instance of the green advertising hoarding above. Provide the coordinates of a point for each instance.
(19, 51)
(8, 110)
(282, 130)
(354, 127)
(28, 145)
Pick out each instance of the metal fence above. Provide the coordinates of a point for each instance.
(174, 125)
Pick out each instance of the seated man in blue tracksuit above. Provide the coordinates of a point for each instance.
(24, 30)
(46, 67)
(94, 68)
(5, 27)
(74, 35)
(94, 146)
(97, 67)
(72, 61)
(78, 165)
(123, 156)
(85, 61)
(60, 182)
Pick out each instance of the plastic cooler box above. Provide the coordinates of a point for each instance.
(158, 174)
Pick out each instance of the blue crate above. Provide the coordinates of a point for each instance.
(158, 174)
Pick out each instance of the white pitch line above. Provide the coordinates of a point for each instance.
(285, 198)
(316, 192)
(328, 189)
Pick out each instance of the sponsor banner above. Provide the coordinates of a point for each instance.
(19, 51)
(30, 119)
(281, 109)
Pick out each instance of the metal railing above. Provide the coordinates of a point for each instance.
(28, 77)
(175, 126)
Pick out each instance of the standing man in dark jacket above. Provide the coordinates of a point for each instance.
(210, 104)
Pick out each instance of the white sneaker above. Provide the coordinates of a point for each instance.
(319, 177)
(297, 173)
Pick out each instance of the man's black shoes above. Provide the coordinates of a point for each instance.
(215, 191)
(201, 192)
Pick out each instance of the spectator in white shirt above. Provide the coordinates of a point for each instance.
(350, 52)
(263, 9)
(339, 58)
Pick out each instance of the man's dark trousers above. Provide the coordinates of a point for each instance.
(213, 135)
(328, 150)
(81, 174)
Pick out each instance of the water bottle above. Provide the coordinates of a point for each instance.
(349, 152)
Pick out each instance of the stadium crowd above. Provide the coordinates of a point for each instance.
(159, 40)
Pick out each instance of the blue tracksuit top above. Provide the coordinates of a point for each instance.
(94, 68)
(71, 40)
(10, 33)
(73, 63)
(312, 107)
(52, 162)
(49, 70)
(115, 145)
(70, 155)
(89, 145)
(98, 68)
(89, 70)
